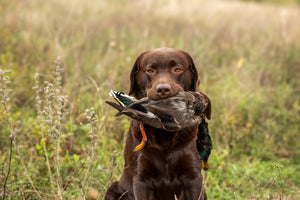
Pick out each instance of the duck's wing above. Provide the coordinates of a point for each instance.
(135, 109)
(122, 98)
(165, 112)
(140, 113)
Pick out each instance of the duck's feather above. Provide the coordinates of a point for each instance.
(122, 98)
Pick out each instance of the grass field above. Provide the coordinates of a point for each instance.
(60, 58)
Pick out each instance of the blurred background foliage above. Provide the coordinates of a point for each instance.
(248, 57)
(279, 2)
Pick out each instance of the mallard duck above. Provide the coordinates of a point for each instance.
(174, 113)
(171, 114)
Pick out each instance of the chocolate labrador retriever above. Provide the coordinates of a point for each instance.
(169, 166)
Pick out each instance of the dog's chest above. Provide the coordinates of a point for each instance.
(168, 170)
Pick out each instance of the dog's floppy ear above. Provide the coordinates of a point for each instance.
(207, 111)
(195, 79)
(134, 87)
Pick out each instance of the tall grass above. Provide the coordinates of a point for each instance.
(63, 141)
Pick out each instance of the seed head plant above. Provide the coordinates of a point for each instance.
(53, 112)
(13, 128)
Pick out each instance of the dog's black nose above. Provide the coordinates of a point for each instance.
(163, 90)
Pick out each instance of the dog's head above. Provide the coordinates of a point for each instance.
(162, 73)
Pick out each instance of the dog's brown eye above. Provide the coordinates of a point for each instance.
(177, 70)
(150, 71)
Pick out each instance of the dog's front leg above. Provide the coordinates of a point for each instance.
(194, 190)
(142, 190)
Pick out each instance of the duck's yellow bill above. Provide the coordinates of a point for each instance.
(205, 165)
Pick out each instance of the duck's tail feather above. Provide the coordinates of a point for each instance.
(116, 106)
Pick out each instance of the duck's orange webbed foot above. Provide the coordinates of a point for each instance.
(144, 139)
